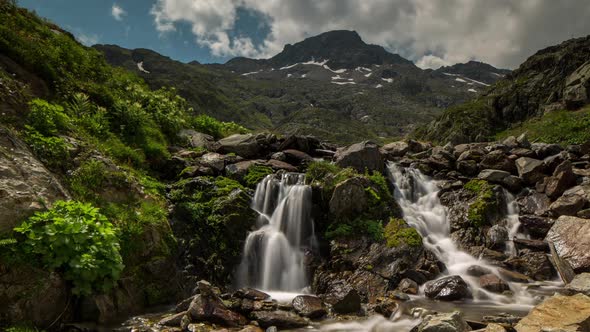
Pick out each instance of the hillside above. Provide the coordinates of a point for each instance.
(555, 79)
(333, 86)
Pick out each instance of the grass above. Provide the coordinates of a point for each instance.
(560, 127)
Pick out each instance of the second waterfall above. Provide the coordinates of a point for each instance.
(274, 254)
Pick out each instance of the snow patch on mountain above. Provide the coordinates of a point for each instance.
(140, 67)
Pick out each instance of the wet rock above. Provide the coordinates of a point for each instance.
(534, 245)
(271, 329)
(497, 236)
(478, 270)
(252, 294)
(207, 306)
(513, 276)
(386, 306)
(533, 264)
(493, 283)
(558, 313)
(530, 170)
(280, 319)
(450, 288)
(535, 204)
(503, 178)
(309, 306)
(344, 300)
(408, 286)
(361, 156)
(296, 157)
(448, 322)
(281, 165)
(536, 226)
(172, 320)
(580, 284)
(570, 237)
(184, 304)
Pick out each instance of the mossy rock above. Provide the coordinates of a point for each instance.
(397, 233)
(484, 208)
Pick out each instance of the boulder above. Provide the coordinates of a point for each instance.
(281, 319)
(497, 159)
(251, 294)
(493, 283)
(450, 288)
(563, 178)
(533, 264)
(361, 156)
(213, 160)
(544, 150)
(530, 170)
(558, 313)
(281, 165)
(567, 205)
(349, 197)
(296, 157)
(207, 306)
(26, 186)
(570, 237)
(195, 139)
(309, 306)
(534, 204)
(523, 141)
(478, 270)
(244, 145)
(447, 322)
(344, 300)
(497, 236)
(502, 178)
(306, 144)
(238, 170)
(576, 92)
(395, 149)
(580, 284)
(536, 226)
(513, 276)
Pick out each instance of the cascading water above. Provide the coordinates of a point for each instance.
(274, 254)
(417, 196)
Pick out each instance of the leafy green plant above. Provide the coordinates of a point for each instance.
(346, 229)
(77, 240)
(51, 150)
(218, 129)
(47, 119)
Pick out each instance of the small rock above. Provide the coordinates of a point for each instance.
(493, 283)
(478, 271)
(580, 284)
(449, 322)
(408, 286)
(280, 319)
(251, 293)
(173, 320)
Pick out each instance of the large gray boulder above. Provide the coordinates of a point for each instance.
(576, 92)
(26, 186)
(572, 201)
(558, 313)
(349, 197)
(245, 145)
(580, 284)
(195, 139)
(360, 156)
(530, 170)
(309, 306)
(570, 236)
(207, 306)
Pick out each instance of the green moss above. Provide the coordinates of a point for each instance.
(398, 233)
(373, 229)
(255, 174)
(483, 204)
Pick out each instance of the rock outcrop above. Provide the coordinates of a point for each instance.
(558, 313)
(570, 237)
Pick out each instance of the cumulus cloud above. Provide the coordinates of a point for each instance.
(117, 12)
(431, 33)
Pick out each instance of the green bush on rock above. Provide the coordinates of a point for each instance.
(75, 239)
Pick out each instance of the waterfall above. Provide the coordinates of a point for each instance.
(274, 255)
(418, 198)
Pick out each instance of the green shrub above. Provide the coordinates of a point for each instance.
(358, 227)
(47, 119)
(51, 150)
(89, 177)
(77, 240)
(255, 174)
(398, 233)
(218, 129)
(123, 153)
(319, 170)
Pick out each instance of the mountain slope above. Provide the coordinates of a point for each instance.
(332, 85)
(555, 78)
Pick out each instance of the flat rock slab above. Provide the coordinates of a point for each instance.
(558, 313)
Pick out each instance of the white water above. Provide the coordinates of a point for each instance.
(274, 254)
(418, 198)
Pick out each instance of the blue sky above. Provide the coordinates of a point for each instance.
(431, 33)
(92, 22)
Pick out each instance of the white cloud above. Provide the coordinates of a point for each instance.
(117, 12)
(87, 39)
(431, 33)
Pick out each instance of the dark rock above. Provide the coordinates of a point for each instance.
(417, 147)
(567, 205)
(395, 149)
(530, 170)
(534, 204)
(349, 197)
(184, 304)
(345, 301)
(207, 306)
(361, 156)
(173, 320)
(534, 245)
(386, 306)
(280, 319)
(247, 145)
(533, 264)
(513, 276)
(563, 178)
(543, 150)
(520, 152)
(497, 236)
(296, 157)
(250, 293)
(450, 288)
(238, 170)
(281, 165)
(523, 141)
(570, 237)
(493, 283)
(305, 144)
(309, 306)
(497, 159)
(468, 167)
